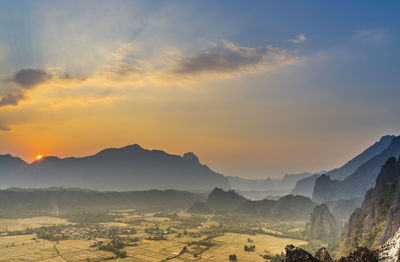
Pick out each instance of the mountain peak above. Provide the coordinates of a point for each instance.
(191, 156)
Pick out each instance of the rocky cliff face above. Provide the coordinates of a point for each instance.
(322, 224)
(378, 219)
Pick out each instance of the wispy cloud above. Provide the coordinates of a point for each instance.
(369, 35)
(230, 59)
(298, 39)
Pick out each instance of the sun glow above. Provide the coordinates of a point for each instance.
(38, 157)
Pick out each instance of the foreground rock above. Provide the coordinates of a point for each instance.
(390, 251)
(361, 254)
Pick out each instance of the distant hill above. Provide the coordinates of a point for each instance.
(219, 199)
(305, 186)
(276, 187)
(126, 168)
(355, 185)
(199, 208)
(33, 202)
(287, 208)
(378, 219)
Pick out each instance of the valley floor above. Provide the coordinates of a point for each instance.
(144, 236)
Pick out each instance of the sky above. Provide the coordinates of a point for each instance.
(254, 88)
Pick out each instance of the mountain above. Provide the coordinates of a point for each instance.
(34, 202)
(126, 168)
(269, 186)
(351, 166)
(219, 199)
(322, 224)
(378, 219)
(342, 209)
(305, 186)
(199, 208)
(359, 181)
(287, 208)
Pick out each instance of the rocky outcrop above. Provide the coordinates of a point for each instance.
(378, 219)
(295, 254)
(323, 255)
(360, 254)
(322, 224)
(390, 251)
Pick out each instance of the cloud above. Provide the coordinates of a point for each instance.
(29, 78)
(369, 35)
(298, 39)
(11, 99)
(230, 59)
(4, 128)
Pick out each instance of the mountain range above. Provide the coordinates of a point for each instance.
(357, 184)
(306, 185)
(121, 169)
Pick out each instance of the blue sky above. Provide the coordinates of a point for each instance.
(246, 85)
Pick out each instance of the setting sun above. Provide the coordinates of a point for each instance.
(38, 157)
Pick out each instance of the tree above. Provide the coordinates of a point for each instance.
(232, 257)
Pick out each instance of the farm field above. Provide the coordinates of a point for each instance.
(138, 236)
(23, 223)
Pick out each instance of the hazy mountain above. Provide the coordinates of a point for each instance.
(287, 208)
(342, 209)
(199, 208)
(358, 182)
(305, 186)
(378, 219)
(127, 168)
(279, 186)
(322, 224)
(32, 202)
(219, 199)
(351, 166)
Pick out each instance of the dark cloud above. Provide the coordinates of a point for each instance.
(4, 128)
(231, 58)
(11, 99)
(28, 78)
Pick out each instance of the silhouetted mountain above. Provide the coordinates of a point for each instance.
(219, 199)
(287, 208)
(32, 202)
(127, 168)
(199, 208)
(306, 185)
(378, 219)
(358, 182)
(322, 224)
